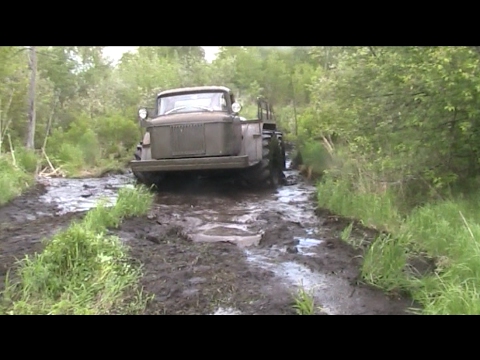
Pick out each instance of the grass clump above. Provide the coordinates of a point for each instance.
(130, 202)
(384, 264)
(304, 302)
(82, 270)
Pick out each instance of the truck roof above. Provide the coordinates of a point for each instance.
(193, 89)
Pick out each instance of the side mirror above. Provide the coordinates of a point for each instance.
(236, 107)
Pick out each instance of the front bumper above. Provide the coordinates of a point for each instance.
(207, 163)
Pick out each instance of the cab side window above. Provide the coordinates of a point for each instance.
(223, 103)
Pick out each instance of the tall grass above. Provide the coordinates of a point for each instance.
(447, 232)
(82, 270)
(373, 209)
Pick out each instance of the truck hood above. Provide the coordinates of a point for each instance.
(193, 117)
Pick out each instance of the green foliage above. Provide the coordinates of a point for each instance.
(86, 144)
(27, 160)
(82, 270)
(13, 179)
(117, 133)
(70, 157)
(414, 106)
(315, 155)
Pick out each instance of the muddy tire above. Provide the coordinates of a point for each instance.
(282, 149)
(269, 172)
(146, 178)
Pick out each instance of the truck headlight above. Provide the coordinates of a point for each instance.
(143, 113)
(236, 107)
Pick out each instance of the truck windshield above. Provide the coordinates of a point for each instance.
(194, 102)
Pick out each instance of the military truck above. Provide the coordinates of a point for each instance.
(198, 130)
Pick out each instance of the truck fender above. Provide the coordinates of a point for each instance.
(252, 141)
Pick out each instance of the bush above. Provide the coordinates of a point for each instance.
(315, 156)
(13, 180)
(27, 159)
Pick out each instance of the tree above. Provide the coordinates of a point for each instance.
(32, 64)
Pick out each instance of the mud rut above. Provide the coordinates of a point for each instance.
(208, 247)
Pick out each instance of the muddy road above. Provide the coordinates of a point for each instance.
(210, 248)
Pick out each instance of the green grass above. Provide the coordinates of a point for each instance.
(384, 264)
(304, 303)
(449, 232)
(376, 210)
(82, 270)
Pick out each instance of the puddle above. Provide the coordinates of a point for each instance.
(240, 241)
(227, 311)
(74, 195)
(333, 294)
(297, 276)
(306, 244)
(233, 233)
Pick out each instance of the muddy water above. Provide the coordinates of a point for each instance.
(76, 195)
(277, 230)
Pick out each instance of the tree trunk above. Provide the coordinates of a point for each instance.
(4, 120)
(49, 124)
(32, 63)
(294, 105)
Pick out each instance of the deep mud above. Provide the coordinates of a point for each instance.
(209, 247)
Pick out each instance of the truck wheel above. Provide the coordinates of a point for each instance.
(146, 178)
(269, 172)
(283, 152)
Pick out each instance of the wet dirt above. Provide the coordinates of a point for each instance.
(208, 247)
(24, 223)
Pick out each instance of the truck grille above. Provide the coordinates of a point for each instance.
(188, 139)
